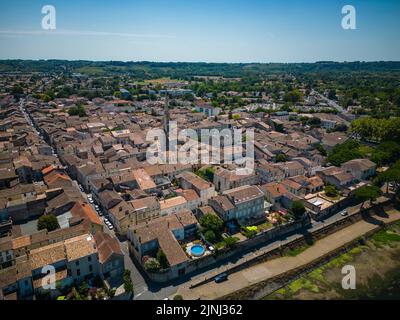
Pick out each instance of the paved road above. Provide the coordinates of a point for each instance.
(139, 283)
(271, 268)
(147, 290)
(330, 102)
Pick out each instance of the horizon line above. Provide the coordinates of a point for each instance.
(206, 62)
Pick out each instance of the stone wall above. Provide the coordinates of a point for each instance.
(246, 245)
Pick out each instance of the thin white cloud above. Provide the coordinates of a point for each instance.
(8, 33)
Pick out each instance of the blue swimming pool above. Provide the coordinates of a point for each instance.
(197, 250)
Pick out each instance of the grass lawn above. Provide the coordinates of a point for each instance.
(265, 226)
(318, 275)
(302, 283)
(315, 281)
(220, 245)
(385, 237)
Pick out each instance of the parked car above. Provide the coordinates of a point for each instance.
(110, 226)
(344, 213)
(221, 278)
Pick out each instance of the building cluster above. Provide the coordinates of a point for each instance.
(51, 159)
(34, 183)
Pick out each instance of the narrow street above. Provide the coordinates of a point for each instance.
(139, 283)
(147, 290)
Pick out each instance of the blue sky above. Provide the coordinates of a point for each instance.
(202, 30)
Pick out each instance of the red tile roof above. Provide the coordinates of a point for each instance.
(47, 170)
(86, 212)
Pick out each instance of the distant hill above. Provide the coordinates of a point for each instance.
(149, 70)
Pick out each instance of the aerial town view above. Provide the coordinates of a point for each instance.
(213, 150)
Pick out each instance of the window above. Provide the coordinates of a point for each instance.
(78, 272)
(77, 263)
(89, 258)
(90, 268)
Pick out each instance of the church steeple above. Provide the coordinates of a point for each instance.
(166, 121)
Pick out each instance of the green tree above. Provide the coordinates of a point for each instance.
(366, 193)
(297, 209)
(162, 259)
(377, 129)
(178, 297)
(332, 94)
(321, 149)
(77, 111)
(387, 152)
(293, 97)
(345, 152)
(17, 90)
(340, 127)
(210, 236)
(249, 233)
(44, 97)
(231, 241)
(211, 222)
(152, 265)
(75, 294)
(48, 222)
(111, 292)
(84, 289)
(206, 174)
(128, 285)
(281, 157)
(331, 191)
(392, 175)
